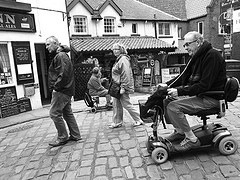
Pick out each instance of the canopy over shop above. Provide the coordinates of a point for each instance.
(145, 52)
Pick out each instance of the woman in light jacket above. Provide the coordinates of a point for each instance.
(122, 74)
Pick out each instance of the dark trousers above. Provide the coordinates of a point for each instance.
(61, 109)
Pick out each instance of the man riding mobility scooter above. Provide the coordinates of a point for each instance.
(209, 135)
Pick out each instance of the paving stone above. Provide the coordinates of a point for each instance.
(229, 171)
(86, 163)
(221, 160)
(133, 152)
(215, 176)
(140, 173)
(99, 161)
(104, 147)
(192, 164)
(128, 144)
(129, 172)
(105, 154)
(166, 166)
(76, 156)
(181, 169)
(112, 162)
(83, 171)
(122, 153)
(60, 166)
(29, 174)
(210, 167)
(100, 170)
(153, 172)
(57, 176)
(124, 161)
(116, 172)
(137, 162)
(44, 171)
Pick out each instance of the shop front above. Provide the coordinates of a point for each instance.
(23, 58)
(144, 52)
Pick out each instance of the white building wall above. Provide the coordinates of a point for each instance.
(47, 23)
(123, 27)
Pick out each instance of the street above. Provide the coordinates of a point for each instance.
(108, 154)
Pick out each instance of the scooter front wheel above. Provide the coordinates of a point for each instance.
(159, 155)
(227, 145)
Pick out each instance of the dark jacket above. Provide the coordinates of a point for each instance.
(206, 71)
(61, 73)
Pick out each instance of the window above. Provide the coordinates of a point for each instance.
(200, 27)
(164, 28)
(80, 24)
(109, 25)
(134, 28)
(179, 33)
(5, 69)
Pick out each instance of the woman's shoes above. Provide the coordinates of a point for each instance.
(138, 123)
(114, 125)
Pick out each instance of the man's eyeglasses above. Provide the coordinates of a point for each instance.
(188, 43)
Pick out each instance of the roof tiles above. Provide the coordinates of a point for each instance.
(105, 43)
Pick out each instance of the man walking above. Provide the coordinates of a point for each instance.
(62, 86)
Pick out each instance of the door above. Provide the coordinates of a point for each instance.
(42, 68)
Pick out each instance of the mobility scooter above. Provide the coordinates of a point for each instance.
(210, 135)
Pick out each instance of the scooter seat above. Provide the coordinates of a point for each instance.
(206, 112)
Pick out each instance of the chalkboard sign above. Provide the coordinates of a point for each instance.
(8, 101)
(24, 105)
(23, 62)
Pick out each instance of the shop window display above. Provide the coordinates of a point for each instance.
(5, 69)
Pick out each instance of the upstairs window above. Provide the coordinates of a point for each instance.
(109, 25)
(164, 29)
(200, 27)
(80, 24)
(134, 28)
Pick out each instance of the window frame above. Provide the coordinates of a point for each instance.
(202, 28)
(83, 26)
(110, 26)
(136, 28)
(163, 29)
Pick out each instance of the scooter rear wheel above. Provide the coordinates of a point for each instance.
(159, 155)
(94, 109)
(227, 145)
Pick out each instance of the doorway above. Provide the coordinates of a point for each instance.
(42, 69)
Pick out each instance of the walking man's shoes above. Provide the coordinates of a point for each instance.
(58, 143)
(74, 139)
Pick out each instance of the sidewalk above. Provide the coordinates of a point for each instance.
(77, 106)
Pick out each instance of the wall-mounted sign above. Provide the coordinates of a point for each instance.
(23, 62)
(17, 22)
(169, 73)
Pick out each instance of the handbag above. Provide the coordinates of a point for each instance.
(114, 90)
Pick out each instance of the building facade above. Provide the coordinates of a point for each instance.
(24, 27)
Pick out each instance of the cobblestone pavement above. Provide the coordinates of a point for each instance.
(109, 154)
